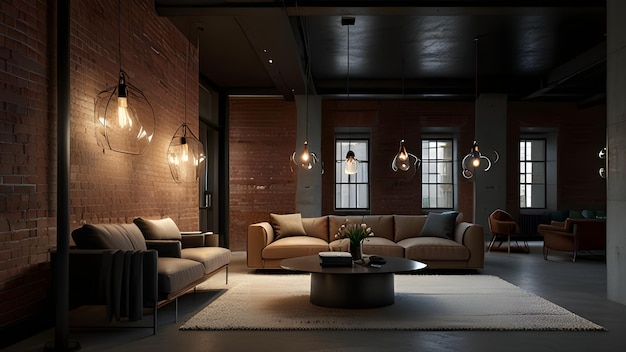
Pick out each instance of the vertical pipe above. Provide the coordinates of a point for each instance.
(61, 287)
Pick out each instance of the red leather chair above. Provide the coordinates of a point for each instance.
(573, 235)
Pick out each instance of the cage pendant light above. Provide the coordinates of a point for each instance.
(185, 154)
(475, 158)
(307, 159)
(124, 118)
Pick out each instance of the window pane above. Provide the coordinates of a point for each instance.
(352, 190)
(437, 173)
(532, 178)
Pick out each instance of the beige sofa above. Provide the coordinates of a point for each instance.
(439, 240)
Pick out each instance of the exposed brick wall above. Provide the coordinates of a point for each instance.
(105, 186)
(262, 137)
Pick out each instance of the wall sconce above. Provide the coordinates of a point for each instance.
(125, 119)
(185, 155)
(402, 160)
(351, 163)
(307, 159)
(476, 158)
(602, 156)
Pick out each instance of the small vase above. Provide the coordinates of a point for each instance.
(356, 251)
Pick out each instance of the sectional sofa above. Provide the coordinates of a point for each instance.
(439, 240)
(146, 264)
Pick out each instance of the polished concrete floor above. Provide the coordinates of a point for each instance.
(579, 287)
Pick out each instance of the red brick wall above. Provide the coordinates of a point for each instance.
(105, 186)
(262, 137)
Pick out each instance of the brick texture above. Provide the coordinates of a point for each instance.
(105, 186)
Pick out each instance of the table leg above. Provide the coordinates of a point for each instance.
(352, 291)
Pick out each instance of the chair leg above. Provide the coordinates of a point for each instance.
(493, 240)
(545, 252)
(509, 248)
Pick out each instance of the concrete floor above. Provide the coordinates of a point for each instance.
(579, 287)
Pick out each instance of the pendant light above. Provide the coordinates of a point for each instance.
(475, 159)
(185, 154)
(124, 118)
(602, 156)
(351, 163)
(306, 159)
(403, 160)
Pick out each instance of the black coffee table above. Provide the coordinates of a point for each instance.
(357, 286)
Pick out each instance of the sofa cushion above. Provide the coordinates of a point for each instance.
(433, 248)
(212, 258)
(109, 236)
(440, 225)
(287, 225)
(382, 247)
(407, 226)
(295, 246)
(316, 227)
(176, 274)
(159, 229)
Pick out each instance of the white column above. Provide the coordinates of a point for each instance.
(309, 184)
(616, 146)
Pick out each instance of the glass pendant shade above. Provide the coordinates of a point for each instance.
(403, 160)
(185, 155)
(602, 156)
(351, 163)
(306, 159)
(125, 120)
(475, 159)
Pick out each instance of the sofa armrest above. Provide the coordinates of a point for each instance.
(472, 236)
(199, 239)
(259, 236)
(166, 248)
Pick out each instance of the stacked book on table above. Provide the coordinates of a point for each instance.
(330, 259)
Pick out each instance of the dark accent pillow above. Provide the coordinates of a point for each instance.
(286, 225)
(440, 225)
(158, 229)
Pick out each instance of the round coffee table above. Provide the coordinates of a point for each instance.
(356, 286)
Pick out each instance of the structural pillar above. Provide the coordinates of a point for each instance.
(490, 187)
(616, 147)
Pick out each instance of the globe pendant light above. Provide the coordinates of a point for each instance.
(185, 154)
(124, 118)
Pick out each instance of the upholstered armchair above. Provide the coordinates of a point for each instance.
(502, 224)
(573, 235)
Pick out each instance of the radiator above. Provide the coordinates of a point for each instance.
(528, 224)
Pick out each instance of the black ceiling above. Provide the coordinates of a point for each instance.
(530, 50)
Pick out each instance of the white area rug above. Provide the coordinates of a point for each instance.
(422, 302)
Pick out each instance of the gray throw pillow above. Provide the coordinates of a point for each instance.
(440, 225)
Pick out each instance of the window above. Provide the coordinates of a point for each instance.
(437, 174)
(532, 178)
(352, 191)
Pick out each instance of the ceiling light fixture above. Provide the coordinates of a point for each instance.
(475, 156)
(185, 154)
(403, 160)
(124, 118)
(307, 159)
(352, 164)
